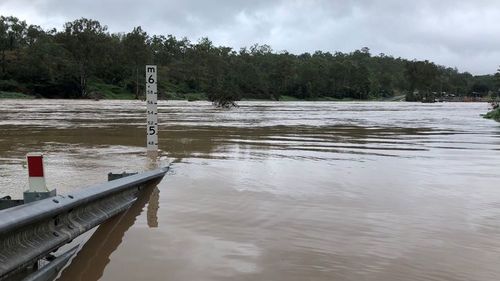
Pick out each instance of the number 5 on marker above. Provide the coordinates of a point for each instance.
(152, 130)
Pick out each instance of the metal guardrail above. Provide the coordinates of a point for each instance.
(50, 271)
(32, 231)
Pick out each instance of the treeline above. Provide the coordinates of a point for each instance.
(85, 60)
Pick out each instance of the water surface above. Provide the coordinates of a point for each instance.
(276, 191)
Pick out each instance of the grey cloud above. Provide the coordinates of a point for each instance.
(465, 34)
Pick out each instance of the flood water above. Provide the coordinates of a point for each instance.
(276, 191)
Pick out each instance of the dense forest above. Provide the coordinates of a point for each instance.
(84, 60)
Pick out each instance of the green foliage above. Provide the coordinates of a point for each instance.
(195, 96)
(10, 86)
(494, 114)
(83, 60)
(411, 96)
(288, 98)
(496, 81)
(14, 95)
(136, 50)
(99, 90)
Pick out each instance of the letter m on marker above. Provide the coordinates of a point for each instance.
(150, 69)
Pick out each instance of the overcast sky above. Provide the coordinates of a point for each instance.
(456, 33)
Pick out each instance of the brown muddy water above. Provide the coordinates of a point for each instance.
(276, 191)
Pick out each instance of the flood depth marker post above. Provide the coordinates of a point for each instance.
(152, 111)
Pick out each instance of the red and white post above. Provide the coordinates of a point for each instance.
(36, 173)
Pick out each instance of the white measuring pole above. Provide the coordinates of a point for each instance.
(152, 110)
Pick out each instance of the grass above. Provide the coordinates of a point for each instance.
(14, 95)
(494, 114)
(394, 98)
(107, 91)
(100, 90)
(288, 98)
(330, 99)
(195, 96)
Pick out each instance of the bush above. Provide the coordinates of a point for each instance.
(10, 86)
(99, 90)
(12, 95)
(195, 97)
(410, 96)
(494, 114)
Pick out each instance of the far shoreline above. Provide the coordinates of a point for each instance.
(198, 97)
(193, 97)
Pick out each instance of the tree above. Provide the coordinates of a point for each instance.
(12, 35)
(83, 38)
(84, 58)
(137, 52)
(421, 75)
(497, 81)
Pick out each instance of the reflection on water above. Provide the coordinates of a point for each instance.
(95, 254)
(276, 191)
(153, 206)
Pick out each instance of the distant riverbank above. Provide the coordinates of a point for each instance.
(122, 95)
(190, 97)
(14, 95)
